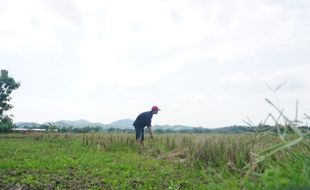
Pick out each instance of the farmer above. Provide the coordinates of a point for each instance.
(144, 119)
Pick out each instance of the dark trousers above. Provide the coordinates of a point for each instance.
(139, 133)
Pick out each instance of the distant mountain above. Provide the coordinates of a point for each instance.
(126, 124)
(62, 123)
(75, 124)
(122, 124)
(119, 124)
(27, 125)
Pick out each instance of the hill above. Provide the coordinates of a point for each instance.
(122, 124)
(126, 124)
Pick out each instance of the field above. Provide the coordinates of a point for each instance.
(174, 161)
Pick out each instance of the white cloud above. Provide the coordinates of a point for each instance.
(224, 31)
(137, 46)
(104, 54)
(30, 27)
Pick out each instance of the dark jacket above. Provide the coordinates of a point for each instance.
(143, 119)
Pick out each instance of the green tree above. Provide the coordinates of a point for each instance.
(7, 85)
(52, 127)
(6, 124)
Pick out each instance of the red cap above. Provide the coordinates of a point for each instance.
(155, 108)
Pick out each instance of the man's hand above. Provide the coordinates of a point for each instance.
(150, 131)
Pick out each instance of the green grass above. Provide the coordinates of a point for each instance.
(112, 161)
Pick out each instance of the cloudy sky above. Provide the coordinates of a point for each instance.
(203, 62)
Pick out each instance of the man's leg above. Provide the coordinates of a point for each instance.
(142, 137)
(139, 140)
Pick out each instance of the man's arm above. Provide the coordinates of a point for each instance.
(150, 130)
